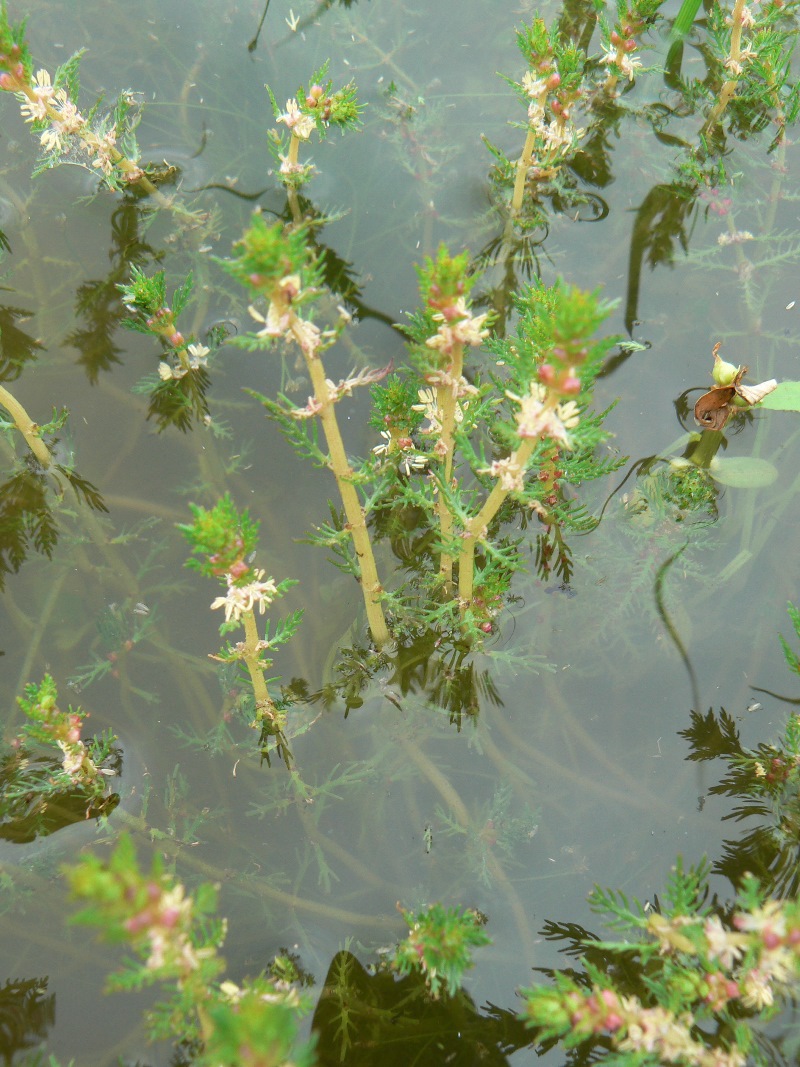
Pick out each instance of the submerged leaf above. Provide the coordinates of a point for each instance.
(743, 472)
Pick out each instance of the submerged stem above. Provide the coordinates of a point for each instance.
(356, 519)
(26, 426)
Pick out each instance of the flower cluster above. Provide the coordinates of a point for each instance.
(195, 358)
(241, 599)
(58, 121)
(163, 924)
(282, 319)
(541, 416)
(457, 326)
(47, 723)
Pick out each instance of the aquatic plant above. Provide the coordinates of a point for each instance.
(32, 780)
(226, 540)
(176, 937)
(455, 509)
(439, 944)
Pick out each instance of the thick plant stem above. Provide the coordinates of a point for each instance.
(26, 426)
(447, 404)
(523, 164)
(477, 525)
(265, 708)
(356, 519)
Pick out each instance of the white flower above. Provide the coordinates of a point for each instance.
(757, 990)
(301, 125)
(36, 110)
(509, 473)
(276, 322)
(72, 762)
(723, 945)
(241, 598)
(167, 373)
(537, 419)
(460, 327)
(385, 446)
(50, 139)
(534, 87)
(197, 356)
(629, 65)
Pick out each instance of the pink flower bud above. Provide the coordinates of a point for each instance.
(794, 937)
(732, 989)
(238, 569)
(137, 923)
(771, 939)
(153, 891)
(571, 385)
(629, 46)
(175, 338)
(554, 81)
(6, 81)
(556, 107)
(169, 917)
(256, 279)
(547, 374)
(612, 1021)
(615, 38)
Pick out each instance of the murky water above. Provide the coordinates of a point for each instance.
(571, 768)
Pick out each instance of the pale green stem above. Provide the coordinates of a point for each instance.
(734, 57)
(294, 203)
(265, 708)
(356, 520)
(477, 526)
(447, 404)
(523, 164)
(26, 426)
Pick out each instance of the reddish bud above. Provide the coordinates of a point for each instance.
(554, 80)
(136, 923)
(629, 46)
(175, 338)
(487, 627)
(771, 939)
(571, 385)
(238, 569)
(615, 38)
(6, 81)
(547, 374)
(556, 107)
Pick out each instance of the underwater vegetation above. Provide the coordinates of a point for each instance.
(323, 335)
